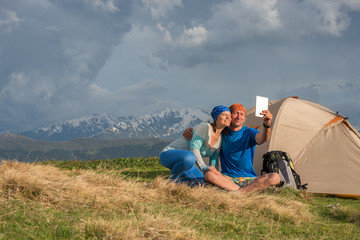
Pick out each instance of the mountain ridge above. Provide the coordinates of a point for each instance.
(167, 124)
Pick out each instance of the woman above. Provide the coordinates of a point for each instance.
(181, 155)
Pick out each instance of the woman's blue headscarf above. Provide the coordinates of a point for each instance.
(218, 110)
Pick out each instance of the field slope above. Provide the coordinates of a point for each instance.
(55, 201)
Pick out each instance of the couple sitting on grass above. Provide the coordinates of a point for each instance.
(225, 137)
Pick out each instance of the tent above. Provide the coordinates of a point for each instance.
(324, 147)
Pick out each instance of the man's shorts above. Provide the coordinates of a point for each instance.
(242, 181)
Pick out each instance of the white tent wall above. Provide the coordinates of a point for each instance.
(326, 157)
(330, 163)
(298, 124)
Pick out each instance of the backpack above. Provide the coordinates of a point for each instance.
(280, 162)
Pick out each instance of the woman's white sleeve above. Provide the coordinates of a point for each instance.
(198, 139)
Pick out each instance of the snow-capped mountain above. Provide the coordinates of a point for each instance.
(167, 124)
(80, 127)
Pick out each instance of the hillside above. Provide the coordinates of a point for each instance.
(45, 202)
(13, 146)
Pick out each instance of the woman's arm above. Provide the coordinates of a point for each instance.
(197, 141)
(199, 161)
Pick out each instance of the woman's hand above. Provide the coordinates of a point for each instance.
(214, 170)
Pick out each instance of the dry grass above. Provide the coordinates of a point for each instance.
(239, 204)
(346, 213)
(124, 209)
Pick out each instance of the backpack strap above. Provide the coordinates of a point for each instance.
(287, 157)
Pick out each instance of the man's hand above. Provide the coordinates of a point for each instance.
(264, 135)
(188, 134)
(213, 170)
(267, 118)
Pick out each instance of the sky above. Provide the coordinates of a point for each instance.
(64, 59)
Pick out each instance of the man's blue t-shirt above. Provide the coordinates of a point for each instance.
(237, 153)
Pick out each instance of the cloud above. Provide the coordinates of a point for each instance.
(234, 25)
(54, 51)
(339, 96)
(146, 96)
(318, 17)
(160, 8)
(189, 38)
(106, 5)
(343, 97)
(347, 85)
(243, 19)
(18, 86)
(24, 100)
(9, 20)
(311, 91)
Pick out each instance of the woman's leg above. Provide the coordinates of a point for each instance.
(192, 177)
(178, 161)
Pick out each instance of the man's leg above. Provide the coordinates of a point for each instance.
(221, 181)
(262, 182)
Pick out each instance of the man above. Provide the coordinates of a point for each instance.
(237, 154)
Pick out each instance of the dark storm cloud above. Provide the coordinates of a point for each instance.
(50, 51)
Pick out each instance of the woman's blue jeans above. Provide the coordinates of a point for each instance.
(182, 166)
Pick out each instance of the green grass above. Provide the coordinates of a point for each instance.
(141, 169)
(109, 164)
(25, 219)
(126, 199)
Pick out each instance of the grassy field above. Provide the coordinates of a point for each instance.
(130, 199)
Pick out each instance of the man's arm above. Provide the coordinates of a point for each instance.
(188, 134)
(264, 135)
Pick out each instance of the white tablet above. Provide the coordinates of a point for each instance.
(262, 103)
